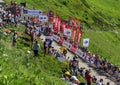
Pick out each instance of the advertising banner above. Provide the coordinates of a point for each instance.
(34, 12)
(43, 18)
(79, 52)
(86, 42)
(56, 38)
(67, 45)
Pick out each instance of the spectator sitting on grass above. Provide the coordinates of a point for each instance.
(74, 81)
(66, 76)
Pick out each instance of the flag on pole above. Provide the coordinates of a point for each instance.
(79, 35)
(56, 23)
(73, 33)
(86, 42)
(59, 25)
(63, 26)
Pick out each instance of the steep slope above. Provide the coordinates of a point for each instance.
(103, 14)
(94, 15)
(19, 67)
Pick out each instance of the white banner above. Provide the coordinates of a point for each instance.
(56, 38)
(34, 12)
(67, 32)
(79, 52)
(86, 42)
(67, 45)
(43, 18)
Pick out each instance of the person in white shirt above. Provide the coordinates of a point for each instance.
(100, 82)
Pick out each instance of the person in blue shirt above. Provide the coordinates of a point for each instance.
(36, 48)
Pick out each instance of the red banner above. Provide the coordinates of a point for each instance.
(59, 23)
(73, 33)
(61, 40)
(73, 49)
(56, 23)
(63, 26)
(79, 35)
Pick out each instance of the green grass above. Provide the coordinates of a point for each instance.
(94, 15)
(97, 17)
(105, 44)
(18, 67)
(108, 9)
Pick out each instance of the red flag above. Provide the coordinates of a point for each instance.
(63, 26)
(79, 35)
(73, 33)
(59, 23)
(56, 23)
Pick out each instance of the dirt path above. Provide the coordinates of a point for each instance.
(94, 71)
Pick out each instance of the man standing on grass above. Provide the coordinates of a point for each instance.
(14, 39)
(88, 77)
(45, 46)
(36, 48)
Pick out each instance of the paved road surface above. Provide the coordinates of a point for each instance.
(84, 64)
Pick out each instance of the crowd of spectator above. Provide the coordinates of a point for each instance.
(11, 15)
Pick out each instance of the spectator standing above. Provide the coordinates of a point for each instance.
(74, 65)
(32, 34)
(45, 47)
(14, 39)
(88, 77)
(36, 48)
(1, 21)
(49, 44)
(100, 82)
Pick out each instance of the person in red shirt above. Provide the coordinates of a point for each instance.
(17, 11)
(88, 77)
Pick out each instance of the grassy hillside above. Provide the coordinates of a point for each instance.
(95, 15)
(105, 44)
(19, 67)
